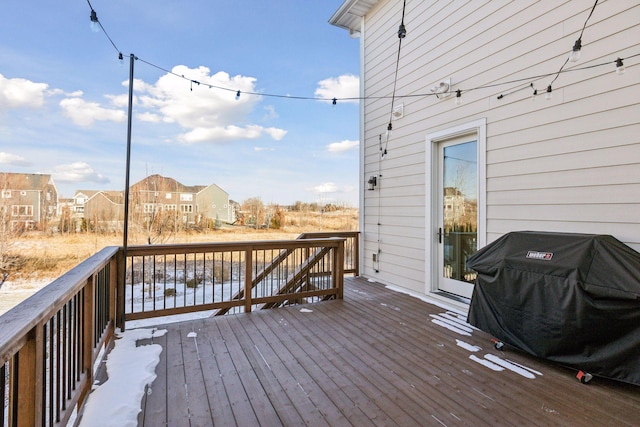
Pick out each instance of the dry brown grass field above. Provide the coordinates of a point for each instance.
(47, 256)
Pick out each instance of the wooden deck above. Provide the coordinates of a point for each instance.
(375, 358)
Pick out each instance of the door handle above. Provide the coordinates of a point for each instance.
(439, 235)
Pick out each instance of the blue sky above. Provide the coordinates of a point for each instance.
(63, 96)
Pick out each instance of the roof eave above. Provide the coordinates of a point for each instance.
(350, 14)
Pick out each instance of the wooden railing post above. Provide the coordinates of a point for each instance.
(88, 327)
(27, 381)
(121, 264)
(338, 269)
(114, 293)
(248, 278)
(356, 255)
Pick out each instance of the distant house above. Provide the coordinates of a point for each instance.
(488, 136)
(213, 203)
(104, 210)
(153, 199)
(192, 205)
(79, 199)
(28, 201)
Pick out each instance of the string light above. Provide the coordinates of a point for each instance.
(120, 58)
(402, 31)
(575, 51)
(574, 56)
(237, 95)
(619, 67)
(535, 93)
(95, 24)
(548, 95)
(619, 70)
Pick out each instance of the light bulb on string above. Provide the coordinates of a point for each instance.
(548, 95)
(120, 59)
(237, 95)
(389, 130)
(95, 25)
(458, 100)
(619, 66)
(402, 31)
(574, 56)
(535, 94)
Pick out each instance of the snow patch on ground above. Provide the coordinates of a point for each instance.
(467, 346)
(456, 323)
(13, 293)
(130, 369)
(486, 363)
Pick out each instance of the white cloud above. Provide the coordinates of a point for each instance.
(78, 172)
(270, 113)
(221, 134)
(341, 87)
(149, 117)
(121, 100)
(342, 146)
(13, 159)
(84, 113)
(18, 93)
(73, 94)
(275, 133)
(206, 111)
(327, 187)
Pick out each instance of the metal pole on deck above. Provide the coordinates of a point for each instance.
(125, 233)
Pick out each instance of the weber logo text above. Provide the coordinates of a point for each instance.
(545, 256)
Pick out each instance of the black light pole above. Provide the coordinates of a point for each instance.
(97, 26)
(125, 233)
(128, 164)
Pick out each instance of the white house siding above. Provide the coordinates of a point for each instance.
(569, 164)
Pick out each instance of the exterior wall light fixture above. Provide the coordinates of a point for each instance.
(373, 181)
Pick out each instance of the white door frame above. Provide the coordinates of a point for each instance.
(432, 205)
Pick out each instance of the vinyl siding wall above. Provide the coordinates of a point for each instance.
(569, 164)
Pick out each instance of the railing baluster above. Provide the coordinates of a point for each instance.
(3, 391)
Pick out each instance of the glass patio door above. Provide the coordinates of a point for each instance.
(457, 214)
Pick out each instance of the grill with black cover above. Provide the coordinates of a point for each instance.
(570, 298)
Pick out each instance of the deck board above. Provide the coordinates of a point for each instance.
(376, 358)
(211, 349)
(335, 395)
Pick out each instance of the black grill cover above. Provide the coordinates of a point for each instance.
(569, 298)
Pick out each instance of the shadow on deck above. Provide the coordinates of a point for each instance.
(377, 357)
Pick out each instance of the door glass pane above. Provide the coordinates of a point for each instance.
(460, 209)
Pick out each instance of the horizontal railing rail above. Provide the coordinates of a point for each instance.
(51, 343)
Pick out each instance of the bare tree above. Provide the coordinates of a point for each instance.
(156, 215)
(255, 210)
(8, 262)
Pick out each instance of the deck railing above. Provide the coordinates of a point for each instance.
(51, 342)
(231, 277)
